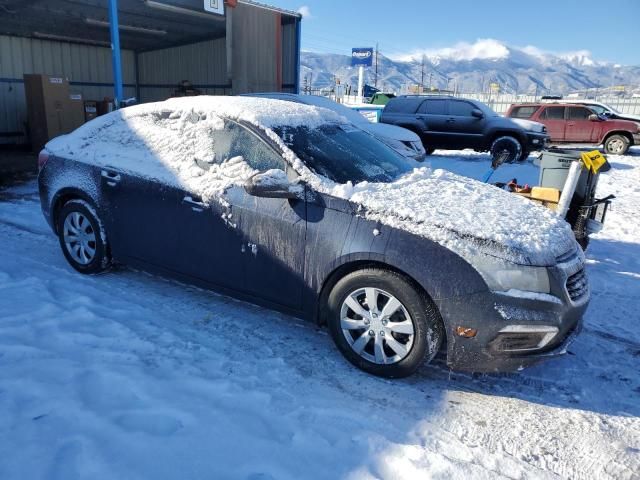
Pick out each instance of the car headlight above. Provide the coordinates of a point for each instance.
(395, 144)
(418, 146)
(502, 276)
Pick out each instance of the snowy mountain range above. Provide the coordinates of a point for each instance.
(473, 67)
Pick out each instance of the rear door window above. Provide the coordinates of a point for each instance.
(523, 112)
(553, 113)
(460, 109)
(578, 113)
(434, 106)
(402, 105)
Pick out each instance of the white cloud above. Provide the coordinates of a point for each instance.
(491, 49)
(484, 48)
(305, 11)
(581, 57)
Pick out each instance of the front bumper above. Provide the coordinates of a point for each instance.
(537, 141)
(636, 138)
(491, 313)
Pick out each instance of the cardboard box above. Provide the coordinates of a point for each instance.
(543, 199)
(75, 118)
(47, 105)
(105, 106)
(90, 110)
(545, 194)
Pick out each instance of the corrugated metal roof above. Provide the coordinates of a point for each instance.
(271, 7)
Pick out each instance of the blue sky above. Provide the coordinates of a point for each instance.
(608, 29)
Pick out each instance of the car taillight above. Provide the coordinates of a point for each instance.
(43, 156)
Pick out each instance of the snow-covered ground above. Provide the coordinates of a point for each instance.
(129, 376)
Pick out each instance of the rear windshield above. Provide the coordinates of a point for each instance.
(523, 112)
(403, 105)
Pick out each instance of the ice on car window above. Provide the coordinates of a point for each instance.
(236, 141)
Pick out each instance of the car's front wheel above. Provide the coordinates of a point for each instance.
(382, 324)
(82, 237)
(616, 145)
(506, 149)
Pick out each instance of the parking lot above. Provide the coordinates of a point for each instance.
(127, 375)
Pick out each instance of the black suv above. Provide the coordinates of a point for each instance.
(455, 123)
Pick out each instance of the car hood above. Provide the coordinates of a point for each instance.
(390, 131)
(626, 116)
(529, 125)
(466, 216)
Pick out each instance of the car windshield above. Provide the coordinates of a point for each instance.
(349, 114)
(343, 153)
(598, 109)
(611, 109)
(486, 109)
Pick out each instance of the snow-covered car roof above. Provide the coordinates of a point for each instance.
(161, 141)
(379, 129)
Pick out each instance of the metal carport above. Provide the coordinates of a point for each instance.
(253, 47)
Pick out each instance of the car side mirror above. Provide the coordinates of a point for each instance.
(273, 184)
(477, 113)
(594, 118)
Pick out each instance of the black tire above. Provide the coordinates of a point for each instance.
(524, 155)
(507, 146)
(427, 323)
(101, 259)
(616, 145)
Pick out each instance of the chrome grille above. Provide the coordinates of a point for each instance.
(578, 285)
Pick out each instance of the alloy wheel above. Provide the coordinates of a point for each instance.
(616, 146)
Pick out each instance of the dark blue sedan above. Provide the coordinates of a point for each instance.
(249, 197)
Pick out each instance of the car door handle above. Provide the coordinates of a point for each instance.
(451, 120)
(112, 178)
(196, 206)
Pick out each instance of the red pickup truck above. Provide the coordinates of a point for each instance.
(574, 123)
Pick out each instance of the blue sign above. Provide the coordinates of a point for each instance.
(361, 57)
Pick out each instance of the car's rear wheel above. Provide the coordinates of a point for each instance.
(616, 145)
(382, 324)
(82, 237)
(506, 149)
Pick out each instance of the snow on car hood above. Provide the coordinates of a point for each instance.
(628, 116)
(529, 125)
(466, 216)
(390, 131)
